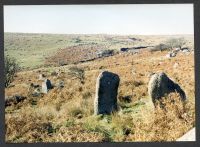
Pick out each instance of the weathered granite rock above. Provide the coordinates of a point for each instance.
(160, 85)
(46, 86)
(106, 93)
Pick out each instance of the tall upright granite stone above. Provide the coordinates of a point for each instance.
(106, 93)
(46, 86)
(160, 85)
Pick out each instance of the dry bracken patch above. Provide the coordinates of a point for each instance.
(66, 114)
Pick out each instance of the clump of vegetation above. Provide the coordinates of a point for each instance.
(70, 122)
(61, 62)
(137, 83)
(78, 73)
(160, 47)
(181, 42)
(99, 124)
(11, 68)
(164, 122)
(86, 95)
(170, 44)
(105, 53)
(76, 112)
(176, 42)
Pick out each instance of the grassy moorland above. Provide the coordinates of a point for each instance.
(32, 50)
(66, 114)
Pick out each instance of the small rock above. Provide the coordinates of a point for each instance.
(34, 86)
(169, 55)
(79, 116)
(46, 86)
(13, 100)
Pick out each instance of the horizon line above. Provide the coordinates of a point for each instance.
(98, 34)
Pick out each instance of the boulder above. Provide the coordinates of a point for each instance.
(13, 100)
(160, 85)
(172, 54)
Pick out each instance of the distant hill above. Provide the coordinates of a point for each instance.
(34, 50)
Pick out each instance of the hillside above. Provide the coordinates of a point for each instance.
(66, 114)
(36, 50)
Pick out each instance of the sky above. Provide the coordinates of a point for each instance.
(126, 19)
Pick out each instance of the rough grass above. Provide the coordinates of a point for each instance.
(66, 115)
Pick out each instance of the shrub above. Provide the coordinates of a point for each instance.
(70, 122)
(76, 111)
(86, 95)
(181, 42)
(11, 68)
(105, 53)
(173, 42)
(160, 47)
(78, 73)
(137, 83)
(61, 62)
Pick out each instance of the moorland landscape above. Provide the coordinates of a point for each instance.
(51, 87)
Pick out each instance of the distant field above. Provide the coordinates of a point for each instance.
(32, 50)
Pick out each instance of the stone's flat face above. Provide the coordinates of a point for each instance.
(46, 85)
(160, 85)
(106, 93)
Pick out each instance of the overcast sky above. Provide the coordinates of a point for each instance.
(100, 19)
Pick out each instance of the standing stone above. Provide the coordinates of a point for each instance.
(46, 86)
(160, 85)
(106, 93)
